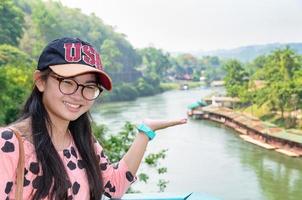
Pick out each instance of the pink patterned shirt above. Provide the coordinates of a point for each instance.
(116, 178)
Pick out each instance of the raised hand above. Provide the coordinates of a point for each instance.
(156, 124)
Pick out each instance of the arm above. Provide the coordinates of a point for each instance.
(117, 179)
(136, 152)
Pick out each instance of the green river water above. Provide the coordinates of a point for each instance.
(204, 156)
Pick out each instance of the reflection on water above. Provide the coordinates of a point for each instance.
(204, 156)
(279, 176)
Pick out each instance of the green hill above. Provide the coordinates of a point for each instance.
(248, 53)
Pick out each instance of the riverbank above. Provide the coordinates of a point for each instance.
(132, 91)
(253, 130)
(176, 85)
(289, 120)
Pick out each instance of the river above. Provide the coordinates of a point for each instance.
(204, 156)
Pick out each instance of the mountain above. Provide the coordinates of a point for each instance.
(248, 53)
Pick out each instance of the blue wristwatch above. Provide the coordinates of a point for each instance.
(146, 130)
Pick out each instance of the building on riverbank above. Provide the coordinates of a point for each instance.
(223, 101)
(196, 108)
(288, 142)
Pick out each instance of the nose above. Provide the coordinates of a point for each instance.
(78, 94)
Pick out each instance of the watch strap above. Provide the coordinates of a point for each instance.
(146, 130)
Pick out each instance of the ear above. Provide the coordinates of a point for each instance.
(39, 82)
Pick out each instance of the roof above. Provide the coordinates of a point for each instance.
(287, 136)
(197, 104)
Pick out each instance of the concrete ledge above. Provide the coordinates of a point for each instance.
(168, 196)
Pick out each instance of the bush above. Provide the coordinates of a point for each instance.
(14, 56)
(144, 87)
(122, 92)
(15, 85)
(130, 91)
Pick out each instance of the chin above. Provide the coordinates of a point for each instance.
(73, 118)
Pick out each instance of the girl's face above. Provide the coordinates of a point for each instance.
(61, 106)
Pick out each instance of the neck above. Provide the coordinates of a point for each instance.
(59, 134)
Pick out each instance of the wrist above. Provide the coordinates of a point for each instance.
(143, 128)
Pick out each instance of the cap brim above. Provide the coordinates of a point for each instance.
(68, 70)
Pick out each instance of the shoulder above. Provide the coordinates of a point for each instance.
(98, 147)
(9, 154)
(8, 141)
(24, 129)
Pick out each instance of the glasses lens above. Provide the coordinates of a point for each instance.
(68, 86)
(91, 92)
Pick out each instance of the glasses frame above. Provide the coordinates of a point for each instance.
(60, 79)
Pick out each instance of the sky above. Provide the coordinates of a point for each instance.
(194, 25)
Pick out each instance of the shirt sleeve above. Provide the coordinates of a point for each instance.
(116, 177)
(9, 155)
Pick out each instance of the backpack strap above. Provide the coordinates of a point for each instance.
(20, 166)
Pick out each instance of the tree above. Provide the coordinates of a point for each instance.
(281, 72)
(16, 69)
(255, 68)
(154, 61)
(212, 61)
(281, 65)
(14, 56)
(15, 85)
(110, 54)
(187, 64)
(187, 61)
(212, 68)
(236, 78)
(50, 20)
(297, 78)
(11, 23)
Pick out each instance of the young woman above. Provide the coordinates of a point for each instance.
(62, 158)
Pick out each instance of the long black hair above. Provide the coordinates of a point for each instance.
(54, 181)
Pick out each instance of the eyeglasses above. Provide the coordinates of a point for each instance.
(69, 86)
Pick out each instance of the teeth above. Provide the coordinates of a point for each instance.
(71, 105)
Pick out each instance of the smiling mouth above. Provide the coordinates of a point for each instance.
(74, 106)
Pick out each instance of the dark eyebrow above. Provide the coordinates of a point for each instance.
(91, 81)
(73, 78)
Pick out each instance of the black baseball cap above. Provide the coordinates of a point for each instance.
(61, 54)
